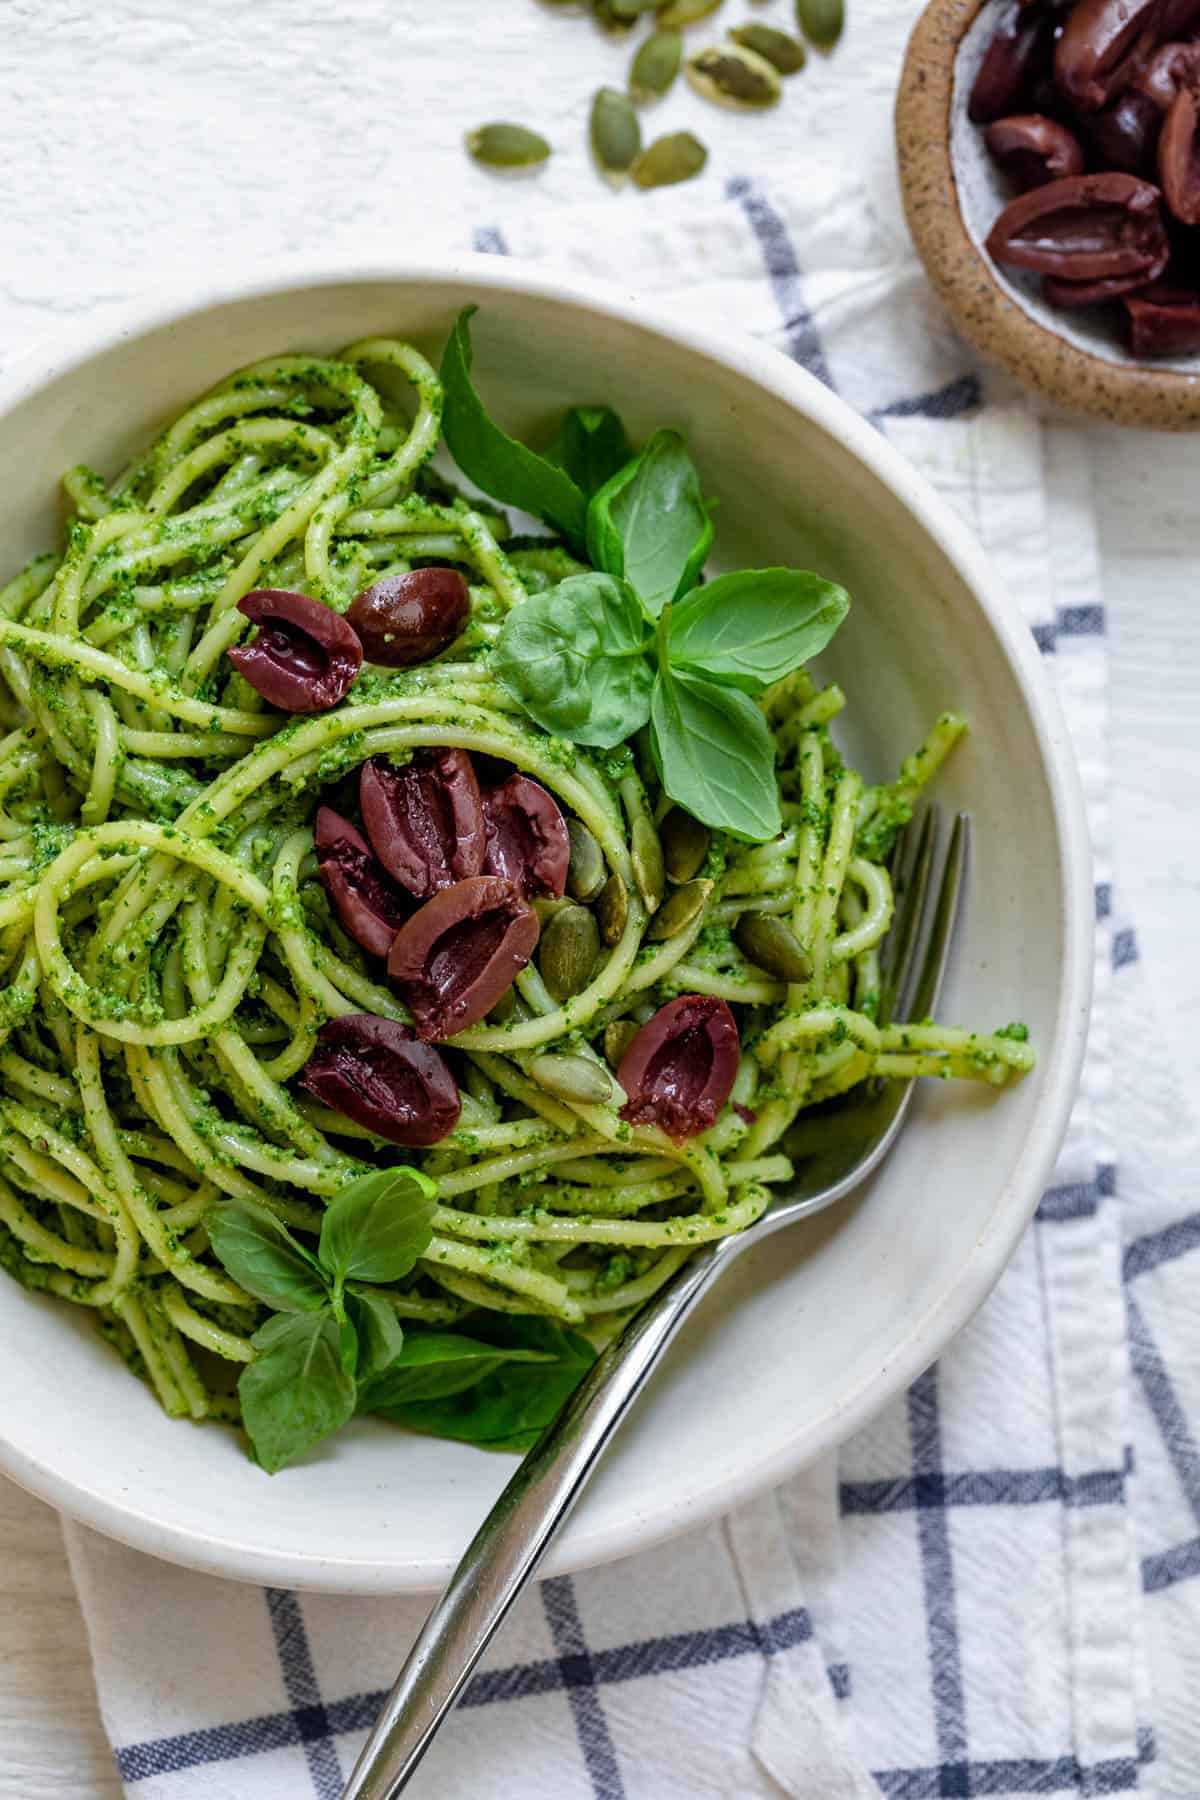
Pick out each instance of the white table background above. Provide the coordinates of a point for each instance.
(144, 139)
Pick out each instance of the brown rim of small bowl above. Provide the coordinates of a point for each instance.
(1163, 399)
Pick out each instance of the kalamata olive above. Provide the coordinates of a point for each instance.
(1083, 228)
(1164, 321)
(460, 951)
(409, 618)
(375, 1072)
(1012, 61)
(1103, 46)
(1033, 150)
(679, 1069)
(1124, 135)
(305, 656)
(1073, 294)
(370, 906)
(1179, 159)
(1176, 17)
(425, 820)
(1171, 67)
(527, 841)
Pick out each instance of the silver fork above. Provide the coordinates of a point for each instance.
(516, 1534)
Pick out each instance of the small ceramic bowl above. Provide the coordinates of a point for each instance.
(952, 197)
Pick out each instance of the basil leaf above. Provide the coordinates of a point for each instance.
(575, 657)
(649, 523)
(296, 1391)
(434, 1364)
(715, 755)
(751, 629)
(511, 1407)
(263, 1257)
(499, 464)
(378, 1226)
(591, 446)
(378, 1331)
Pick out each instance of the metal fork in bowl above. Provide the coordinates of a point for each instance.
(516, 1534)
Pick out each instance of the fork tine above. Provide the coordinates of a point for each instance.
(900, 945)
(945, 921)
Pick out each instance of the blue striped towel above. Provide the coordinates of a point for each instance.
(987, 1591)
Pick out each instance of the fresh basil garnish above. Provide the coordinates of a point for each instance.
(509, 1407)
(750, 629)
(302, 1383)
(649, 523)
(296, 1391)
(495, 462)
(591, 446)
(263, 1257)
(432, 1365)
(715, 755)
(575, 657)
(378, 1226)
(379, 1336)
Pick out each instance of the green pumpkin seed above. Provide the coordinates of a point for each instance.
(821, 21)
(632, 9)
(734, 77)
(681, 910)
(686, 12)
(613, 910)
(615, 133)
(787, 54)
(773, 946)
(504, 146)
(676, 157)
(656, 64)
(645, 853)
(574, 1078)
(685, 843)
(586, 872)
(617, 1038)
(569, 948)
(606, 14)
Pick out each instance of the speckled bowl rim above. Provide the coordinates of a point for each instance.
(1162, 399)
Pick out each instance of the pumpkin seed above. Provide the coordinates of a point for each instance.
(617, 1038)
(686, 12)
(656, 64)
(645, 853)
(574, 1078)
(585, 872)
(504, 146)
(676, 157)
(632, 9)
(615, 133)
(569, 948)
(734, 77)
(613, 909)
(787, 54)
(773, 946)
(821, 21)
(681, 910)
(685, 844)
(606, 14)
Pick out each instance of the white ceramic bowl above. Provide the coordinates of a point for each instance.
(810, 1337)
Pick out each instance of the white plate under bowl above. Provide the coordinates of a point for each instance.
(809, 1337)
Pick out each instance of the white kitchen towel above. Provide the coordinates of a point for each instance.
(985, 1591)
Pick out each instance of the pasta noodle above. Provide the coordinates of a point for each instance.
(168, 954)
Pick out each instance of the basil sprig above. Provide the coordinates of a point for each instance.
(596, 657)
(333, 1345)
(328, 1330)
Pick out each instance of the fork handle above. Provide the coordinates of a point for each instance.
(516, 1534)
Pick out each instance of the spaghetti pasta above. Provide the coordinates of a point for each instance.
(169, 954)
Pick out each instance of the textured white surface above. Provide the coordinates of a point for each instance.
(142, 139)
